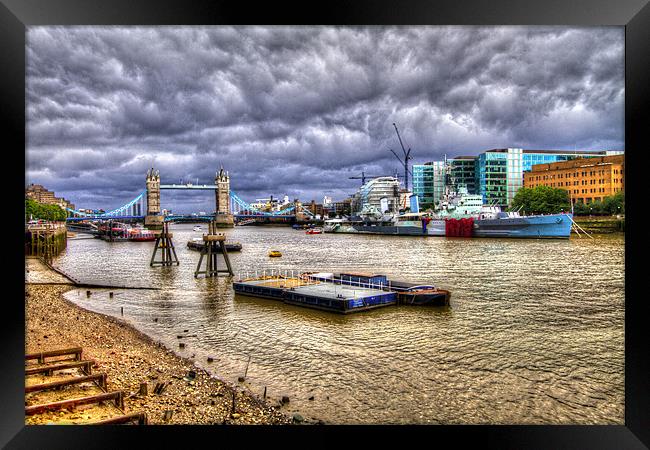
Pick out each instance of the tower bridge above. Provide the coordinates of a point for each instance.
(228, 205)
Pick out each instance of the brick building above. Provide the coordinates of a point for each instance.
(586, 179)
(38, 193)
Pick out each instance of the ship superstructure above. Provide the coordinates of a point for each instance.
(459, 214)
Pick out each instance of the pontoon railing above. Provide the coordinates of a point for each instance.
(307, 279)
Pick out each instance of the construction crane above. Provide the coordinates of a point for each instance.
(364, 176)
(405, 163)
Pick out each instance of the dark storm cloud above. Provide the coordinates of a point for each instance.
(298, 110)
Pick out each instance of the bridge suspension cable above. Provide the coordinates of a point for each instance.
(137, 208)
(133, 208)
(238, 206)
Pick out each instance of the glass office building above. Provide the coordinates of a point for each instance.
(462, 170)
(499, 173)
(429, 181)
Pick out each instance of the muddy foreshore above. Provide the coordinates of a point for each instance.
(129, 358)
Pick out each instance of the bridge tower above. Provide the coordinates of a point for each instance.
(300, 216)
(223, 217)
(153, 219)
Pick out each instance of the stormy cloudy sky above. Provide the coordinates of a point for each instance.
(298, 110)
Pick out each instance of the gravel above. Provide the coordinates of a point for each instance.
(129, 358)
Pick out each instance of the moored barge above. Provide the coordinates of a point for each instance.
(311, 293)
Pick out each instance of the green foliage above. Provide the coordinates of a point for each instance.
(43, 211)
(612, 205)
(541, 200)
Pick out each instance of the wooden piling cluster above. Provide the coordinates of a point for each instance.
(165, 244)
(46, 240)
(74, 387)
(214, 243)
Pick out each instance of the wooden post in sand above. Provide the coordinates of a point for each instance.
(166, 246)
(212, 242)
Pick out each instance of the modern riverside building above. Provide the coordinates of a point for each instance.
(586, 179)
(381, 193)
(429, 180)
(495, 174)
(462, 171)
(500, 172)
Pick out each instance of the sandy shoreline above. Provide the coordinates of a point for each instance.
(129, 358)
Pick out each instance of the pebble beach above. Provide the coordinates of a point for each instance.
(130, 358)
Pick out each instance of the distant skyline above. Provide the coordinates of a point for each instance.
(297, 110)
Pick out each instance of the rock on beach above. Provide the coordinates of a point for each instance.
(130, 358)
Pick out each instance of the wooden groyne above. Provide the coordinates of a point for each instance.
(74, 395)
(74, 281)
(45, 240)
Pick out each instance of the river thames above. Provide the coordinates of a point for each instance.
(534, 333)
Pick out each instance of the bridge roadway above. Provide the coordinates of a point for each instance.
(80, 219)
(237, 207)
(178, 217)
(189, 186)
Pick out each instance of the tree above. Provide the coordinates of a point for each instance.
(43, 211)
(541, 200)
(612, 205)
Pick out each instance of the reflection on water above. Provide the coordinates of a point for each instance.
(534, 333)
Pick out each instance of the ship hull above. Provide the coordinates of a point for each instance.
(430, 297)
(553, 226)
(434, 228)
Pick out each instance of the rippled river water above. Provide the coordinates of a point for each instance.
(534, 333)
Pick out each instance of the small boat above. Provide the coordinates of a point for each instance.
(141, 235)
(424, 295)
(275, 253)
(197, 228)
(314, 231)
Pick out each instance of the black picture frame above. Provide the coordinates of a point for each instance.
(16, 15)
